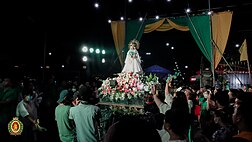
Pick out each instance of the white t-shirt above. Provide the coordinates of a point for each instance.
(21, 111)
(164, 135)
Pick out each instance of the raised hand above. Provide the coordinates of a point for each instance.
(153, 89)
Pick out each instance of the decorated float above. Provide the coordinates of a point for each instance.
(125, 93)
(129, 89)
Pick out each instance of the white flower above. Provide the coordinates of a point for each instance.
(122, 96)
(129, 95)
(111, 97)
(134, 89)
(140, 86)
(146, 88)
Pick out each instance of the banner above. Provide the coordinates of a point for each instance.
(243, 51)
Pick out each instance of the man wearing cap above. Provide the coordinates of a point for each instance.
(65, 125)
(86, 117)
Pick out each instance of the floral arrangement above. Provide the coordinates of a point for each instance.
(126, 86)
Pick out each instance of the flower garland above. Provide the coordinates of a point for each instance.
(127, 86)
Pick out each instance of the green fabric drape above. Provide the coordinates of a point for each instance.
(200, 29)
(134, 30)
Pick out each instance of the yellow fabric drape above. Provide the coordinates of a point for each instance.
(161, 26)
(153, 26)
(178, 27)
(243, 51)
(164, 27)
(118, 32)
(221, 23)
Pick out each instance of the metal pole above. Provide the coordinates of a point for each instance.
(226, 61)
(197, 35)
(250, 81)
(208, 56)
(212, 53)
(141, 26)
(123, 51)
(201, 67)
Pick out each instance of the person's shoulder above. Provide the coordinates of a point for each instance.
(95, 107)
(20, 103)
(63, 107)
(73, 108)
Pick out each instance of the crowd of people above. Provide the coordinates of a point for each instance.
(69, 111)
(212, 112)
(41, 109)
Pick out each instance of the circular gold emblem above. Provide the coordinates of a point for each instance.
(15, 126)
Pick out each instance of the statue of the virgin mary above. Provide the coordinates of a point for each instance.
(133, 61)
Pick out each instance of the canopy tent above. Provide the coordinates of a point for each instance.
(157, 69)
(209, 31)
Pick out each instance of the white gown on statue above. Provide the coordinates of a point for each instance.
(132, 62)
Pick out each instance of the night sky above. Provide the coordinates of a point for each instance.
(64, 27)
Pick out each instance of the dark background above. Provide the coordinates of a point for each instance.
(62, 28)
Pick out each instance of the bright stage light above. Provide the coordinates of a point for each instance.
(96, 5)
(84, 59)
(103, 60)
(103, 51)
(188, 10)
(84, 49)
(97, 51)
(109, 21)
(91, 50)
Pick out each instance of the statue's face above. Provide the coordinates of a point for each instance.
(132, 46)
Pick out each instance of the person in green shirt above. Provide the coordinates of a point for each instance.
(65, 125)
(86, 117)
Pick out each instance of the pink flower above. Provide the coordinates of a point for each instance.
(131, 73)
(103, 91)
(109, 90)
(132, 92)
